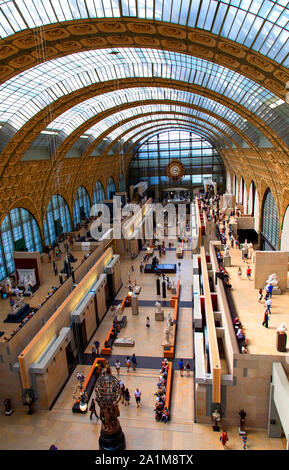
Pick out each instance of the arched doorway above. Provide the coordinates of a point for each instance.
(270, 223)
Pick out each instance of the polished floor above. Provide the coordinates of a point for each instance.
(74, 431)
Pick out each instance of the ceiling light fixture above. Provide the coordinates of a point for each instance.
(49, 132)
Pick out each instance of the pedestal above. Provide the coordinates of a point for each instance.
(134, 305)
(164, 288)
(112, 442)
(158, 283)
(281, 340)
(159, 316)
(227, 261)
(276, 291)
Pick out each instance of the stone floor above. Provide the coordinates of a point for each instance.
(74, 431)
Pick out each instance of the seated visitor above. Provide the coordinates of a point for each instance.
(240, 334)
(165, 415)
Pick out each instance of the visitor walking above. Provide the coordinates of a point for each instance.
(137, 395)
(244, 437)
(117, 366)
(93, 353)
(240, 273)
(181, 367)
(92, 409)
(260, 295)
(188, 369)
(268, 304)
(224, 438)
(96, 344)
(270, 290)
(148, 322)
(141, 266)
(266, 319)
(133, 362)
(128, 363)
(126, 397)
(53, 447)
(249, 271)
(122, 391)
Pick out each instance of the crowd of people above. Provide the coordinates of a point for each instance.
(162, 411)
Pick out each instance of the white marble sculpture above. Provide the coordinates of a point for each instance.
(282, 327)
(169, 319)
(167, 335)
(159, 307)
(245, 246)
(228, 203)
(227, 250)
(30, 276)
(8, 284)
(273, 279)
(25, 283)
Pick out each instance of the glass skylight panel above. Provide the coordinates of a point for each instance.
(146, 133)
(75, 116)
(240, 21)
(39, 86)
(116, 133)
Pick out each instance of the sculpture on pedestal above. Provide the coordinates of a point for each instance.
(25, 284)
(227, 250)
(245, 246)
(108, 394)
(167, 336)
(228, 203)
(170, 319)
(159, 307)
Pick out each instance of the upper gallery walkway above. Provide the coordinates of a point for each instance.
(260, 340)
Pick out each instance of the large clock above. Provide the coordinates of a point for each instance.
(175, 170)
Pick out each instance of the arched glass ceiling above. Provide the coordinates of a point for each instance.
(260, 25)
(27, 93)
(116, 118)
(148, 134)
(160, 118)
(74, 117)
(155, 133)
(145, 132)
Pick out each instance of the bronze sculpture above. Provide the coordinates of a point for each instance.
(107, 395)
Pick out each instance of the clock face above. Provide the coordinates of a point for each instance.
(175, 170)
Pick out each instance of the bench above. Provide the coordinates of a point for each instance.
(106, 350)
(89, 383)
(176, 296)
(169, 384)
(170, 352)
